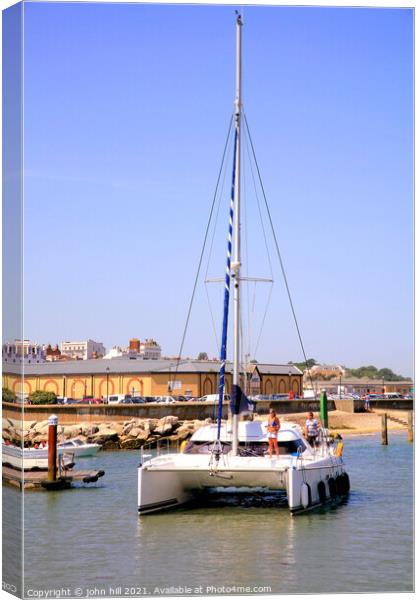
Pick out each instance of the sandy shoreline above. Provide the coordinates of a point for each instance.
(353, 423)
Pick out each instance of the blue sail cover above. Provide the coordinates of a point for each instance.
(239, 402)
(226, 296)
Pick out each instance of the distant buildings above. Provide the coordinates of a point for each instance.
(149, 349)
(23, 351)
(26, 351)
(84, 350)
(52, 354)
(115, 352)
(326, 371)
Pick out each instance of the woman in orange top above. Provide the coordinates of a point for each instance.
(273, 427)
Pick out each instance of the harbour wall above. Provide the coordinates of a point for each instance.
(187, 411)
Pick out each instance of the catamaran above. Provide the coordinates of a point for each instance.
(232, 455)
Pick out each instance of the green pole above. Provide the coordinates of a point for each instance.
(323, 409)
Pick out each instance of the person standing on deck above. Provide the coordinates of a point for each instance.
(311, 429)
(273, 427)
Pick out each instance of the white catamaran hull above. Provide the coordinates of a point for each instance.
(176, 479)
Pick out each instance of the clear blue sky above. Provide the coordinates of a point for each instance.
(126, 112)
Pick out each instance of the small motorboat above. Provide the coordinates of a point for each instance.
(32, 459)
(78, 448)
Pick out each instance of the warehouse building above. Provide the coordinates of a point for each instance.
(102, 378)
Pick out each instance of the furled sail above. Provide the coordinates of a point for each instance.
(226, 296)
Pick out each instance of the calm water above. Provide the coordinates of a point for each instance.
(93, 538)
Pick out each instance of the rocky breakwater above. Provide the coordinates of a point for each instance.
(131, 434)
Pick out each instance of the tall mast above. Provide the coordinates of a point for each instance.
(236, 262)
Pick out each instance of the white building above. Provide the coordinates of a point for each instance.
(23, 351)
(150, 349)
(116, 352)
(83, 350)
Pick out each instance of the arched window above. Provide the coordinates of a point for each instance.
(207, 386)
(282, 387)
(268, 387)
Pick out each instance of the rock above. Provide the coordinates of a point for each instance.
(150, 425)
(72, 431)
(143, 435)
(152, 439)
(118, 428)
(131, 443)
(169, 419)
(163, 429)
(88, 428)
(41, 424)
(128, 426)
(111, 445)
(41, 427)
(182, 433)
(137, 432)
(104, 434)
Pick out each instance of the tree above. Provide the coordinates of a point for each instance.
(39, 397)
(304, 365)
(8, 395)
(203, 356)
(371, 372)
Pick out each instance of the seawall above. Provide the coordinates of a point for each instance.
(188, 411)
(185, 411)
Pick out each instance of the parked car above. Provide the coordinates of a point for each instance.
(149, 398)
(66, 400)
(133, 400)
(116, 398)
(214, 398)
(373, 397)
(165, 400)
(269, 397)
(91, 400)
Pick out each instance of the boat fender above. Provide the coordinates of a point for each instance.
(339, 449)
(183, 446)
(340, 485)
(332, 487)
(346, 483)
(322, 492)
(305, 495)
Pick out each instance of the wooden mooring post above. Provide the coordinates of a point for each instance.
(385, 430)
(52, 448)
(410, 426)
